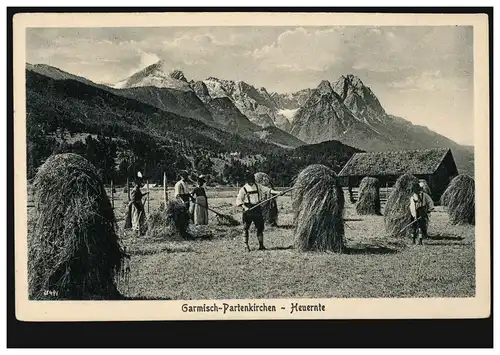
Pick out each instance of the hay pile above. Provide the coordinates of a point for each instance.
(270, 208)
(459, 200)
(171, 222)
(263, 179)
(368, 197)
(318, 203)
(74, 250)
(397, 209)
(225, 220)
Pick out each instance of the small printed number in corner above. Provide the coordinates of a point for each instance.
(52, 293)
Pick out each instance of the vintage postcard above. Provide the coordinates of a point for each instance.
(199, 166)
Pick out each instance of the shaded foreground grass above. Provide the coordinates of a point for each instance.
(376, 266)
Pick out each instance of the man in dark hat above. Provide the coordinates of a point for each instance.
(249, 196)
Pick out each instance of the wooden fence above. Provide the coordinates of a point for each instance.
(384, 193)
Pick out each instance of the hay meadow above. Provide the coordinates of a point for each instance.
(218, 266)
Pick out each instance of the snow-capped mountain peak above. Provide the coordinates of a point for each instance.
(156, 75)
(254, 103)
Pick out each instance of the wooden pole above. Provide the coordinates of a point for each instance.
(147, 182)
(112, 196)
(128, 190)
(165, 192)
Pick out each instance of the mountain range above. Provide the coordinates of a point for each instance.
(345, 110)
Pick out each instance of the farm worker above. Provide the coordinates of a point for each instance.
(420, 207)
(249, 196)
(137, 208)
(200, 202)
(181, 190)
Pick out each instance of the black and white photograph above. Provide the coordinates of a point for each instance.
(226, 167)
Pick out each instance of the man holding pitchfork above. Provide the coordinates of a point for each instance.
(249, 197)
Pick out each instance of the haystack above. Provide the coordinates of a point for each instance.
(170, 223)
(263, 179)
(368, 197)
(397, 209)
(270, 208)
(318, 203)
(459, 200)
(74, 251)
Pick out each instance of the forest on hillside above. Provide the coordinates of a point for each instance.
(121, 136)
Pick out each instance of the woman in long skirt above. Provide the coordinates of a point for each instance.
(137, 209)
(200, 204)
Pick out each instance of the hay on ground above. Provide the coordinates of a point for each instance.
(171, 222)
(459, 200)
(397, 209)
(318, 203)
(368, 197)
(270, 208)
(226, 220)
(74, 251)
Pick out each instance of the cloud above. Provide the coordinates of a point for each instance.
(298, 68)
(197, 40)
(307, 49)
(431, 81)
(381, 67)
(147, 59)
(358, 48)
(107, 60)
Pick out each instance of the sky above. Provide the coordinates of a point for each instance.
(421, 73)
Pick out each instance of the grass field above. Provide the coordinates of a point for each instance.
(220, 267)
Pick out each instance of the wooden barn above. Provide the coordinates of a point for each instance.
(436, 166)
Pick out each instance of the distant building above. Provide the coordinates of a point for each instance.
(436, 166)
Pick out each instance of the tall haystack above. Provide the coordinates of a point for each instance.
(263, 179)
(171, 222)
(270, 208)
(368, 197)
(459, 200)
(74, 251)
(397, 209)
(318, 203)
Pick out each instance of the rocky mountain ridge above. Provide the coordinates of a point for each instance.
(344, 109)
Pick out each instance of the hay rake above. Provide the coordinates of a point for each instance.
(223, 219)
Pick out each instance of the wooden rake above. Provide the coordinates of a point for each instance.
(222, 218)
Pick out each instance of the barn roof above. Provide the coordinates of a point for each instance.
(415, 162)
